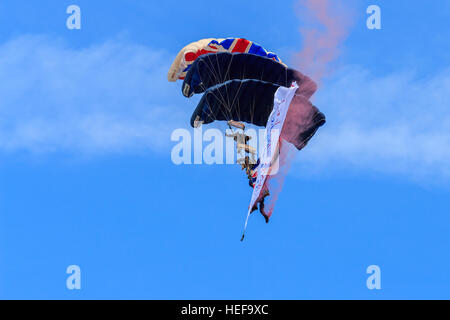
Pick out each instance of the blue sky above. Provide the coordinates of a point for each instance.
(86, 176)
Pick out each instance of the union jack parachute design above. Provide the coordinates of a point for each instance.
(192, 51)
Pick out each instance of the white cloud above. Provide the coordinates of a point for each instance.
(394, 123)
(114, 98)
(106, 98)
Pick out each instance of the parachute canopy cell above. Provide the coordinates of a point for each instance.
(215, 68)
(192, 51)
(249, 101)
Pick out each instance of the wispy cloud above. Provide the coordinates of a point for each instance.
(113, 98)
(106, 98)
(394, 123)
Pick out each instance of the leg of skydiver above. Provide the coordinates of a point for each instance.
(261, 206)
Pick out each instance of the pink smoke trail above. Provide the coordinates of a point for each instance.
(327, 26)
(275, 183)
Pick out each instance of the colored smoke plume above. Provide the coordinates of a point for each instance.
(275, 183)
(325, 25)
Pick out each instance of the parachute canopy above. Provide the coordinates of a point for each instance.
(215, 68)
(192, 51)
(252, 101)
(249, 101)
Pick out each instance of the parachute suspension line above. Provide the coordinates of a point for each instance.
(222, 78)
(218, 79)
(240, 138)
(221, 99)
(252, 112)
(244, 76)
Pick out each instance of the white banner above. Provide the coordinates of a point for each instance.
(269, 160)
